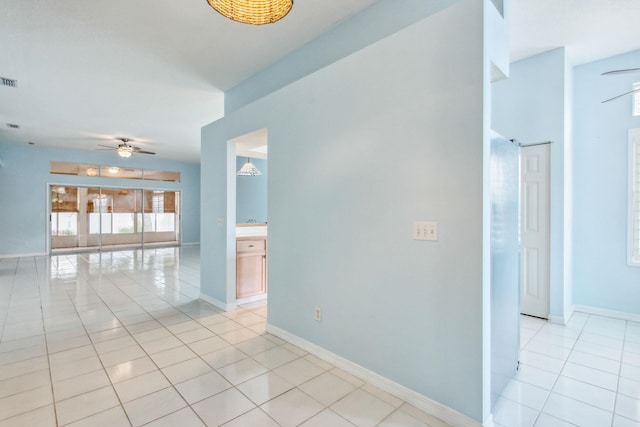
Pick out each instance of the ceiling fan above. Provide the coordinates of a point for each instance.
(623, 71)
(125, 149)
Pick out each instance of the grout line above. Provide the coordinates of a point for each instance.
(558, 375)
(46, 346)
(99, 296)
(615, 401)
(104, 370)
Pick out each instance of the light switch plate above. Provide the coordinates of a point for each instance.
(425, 231)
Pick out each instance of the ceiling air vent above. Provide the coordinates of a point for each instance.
(9, 82)
(13, 126)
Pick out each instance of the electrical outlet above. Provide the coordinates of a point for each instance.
(318, 314)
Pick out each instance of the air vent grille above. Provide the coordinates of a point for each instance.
(13, 126)
(9, 82)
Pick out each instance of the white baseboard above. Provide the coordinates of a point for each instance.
(248, 300)
(558, 320)
(23, 255)
(607, 313)
(217, 303)
(449, 415)
(561, 320)
(488, 422)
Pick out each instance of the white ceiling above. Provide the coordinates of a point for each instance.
(155, 70)
(590, 29)
(151, 70)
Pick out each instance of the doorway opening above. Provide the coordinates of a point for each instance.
(251, 224)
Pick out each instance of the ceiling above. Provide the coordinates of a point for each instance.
(155, 71)
(590, 29)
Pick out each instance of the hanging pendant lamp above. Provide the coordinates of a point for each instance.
(248, 169)
(255, 12)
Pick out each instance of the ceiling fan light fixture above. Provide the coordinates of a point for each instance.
(254, 12)
(125, 151)
(248, 169)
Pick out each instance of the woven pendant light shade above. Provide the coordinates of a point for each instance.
(255, 12)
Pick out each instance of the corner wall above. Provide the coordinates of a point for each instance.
(532, 106)
(341, 41)
(23, 191)
(358, 151)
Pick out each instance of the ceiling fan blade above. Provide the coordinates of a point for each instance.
(106, 146)
(621, 95)
(626, 71)
(144, 152)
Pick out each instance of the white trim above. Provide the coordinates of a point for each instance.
(23, 255)
(633, 258)
(608, 313)
(449, 415)
(216, 302)
(558, 320)
(564, 319)
(248, 300)
(488, 422)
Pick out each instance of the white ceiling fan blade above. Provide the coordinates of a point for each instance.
(626, 71)
(621, 95)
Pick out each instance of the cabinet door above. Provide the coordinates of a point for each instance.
(250, 274)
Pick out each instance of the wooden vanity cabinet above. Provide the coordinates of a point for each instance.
(251, 266)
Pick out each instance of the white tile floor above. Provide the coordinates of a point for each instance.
(586, 373)
(120, 339)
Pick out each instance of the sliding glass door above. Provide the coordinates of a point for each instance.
(66, 230)
(95, 218)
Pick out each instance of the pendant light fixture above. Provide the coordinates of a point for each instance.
(255, 12)
(248, 169)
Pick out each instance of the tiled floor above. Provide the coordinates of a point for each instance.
(584, 374)
(120, 338)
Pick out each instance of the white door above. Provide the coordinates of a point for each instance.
(534, 261)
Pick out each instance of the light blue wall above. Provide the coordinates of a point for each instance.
(532, 106)
(251, 193)
(378, 21)
(601, 274)
(495, 343)
(218, 200)
(25, 175)
(358, 151)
